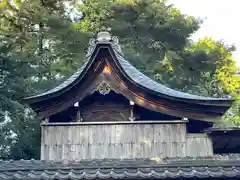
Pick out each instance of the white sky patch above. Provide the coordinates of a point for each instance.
(221, 20)
(72, 11)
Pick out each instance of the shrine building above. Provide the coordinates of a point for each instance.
(110, 121)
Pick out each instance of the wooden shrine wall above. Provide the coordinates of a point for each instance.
(119, 140)
(199, 145)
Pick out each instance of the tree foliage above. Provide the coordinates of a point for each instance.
(40, 45)
(155, 38)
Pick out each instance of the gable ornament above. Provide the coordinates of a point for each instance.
(104, 36)
(104, 88)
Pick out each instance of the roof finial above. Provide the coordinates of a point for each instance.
(104, 35)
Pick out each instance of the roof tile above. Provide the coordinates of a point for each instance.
(199, 167)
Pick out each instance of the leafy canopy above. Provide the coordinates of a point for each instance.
(40, 45)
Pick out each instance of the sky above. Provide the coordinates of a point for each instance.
(221, 20)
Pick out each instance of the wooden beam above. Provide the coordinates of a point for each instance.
(114, 123)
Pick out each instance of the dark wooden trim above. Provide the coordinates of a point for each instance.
(114, 123)
(227, 130)
(223, 131)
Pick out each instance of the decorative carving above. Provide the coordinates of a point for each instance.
(104, 88)
(104, 36)
(91, 46)
(100, 83)
(116, 46)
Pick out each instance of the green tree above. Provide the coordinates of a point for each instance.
(149, 28)
(155, 38)
(216, 77)
(212, 68)
(160, 34)
(16, 124)
(39, 47)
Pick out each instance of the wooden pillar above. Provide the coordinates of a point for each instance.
(46, 120)
(132, 117)
(78, 117)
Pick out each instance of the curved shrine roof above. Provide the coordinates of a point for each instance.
(134, 74)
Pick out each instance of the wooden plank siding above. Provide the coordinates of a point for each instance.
(199, 145)
(123, 140)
